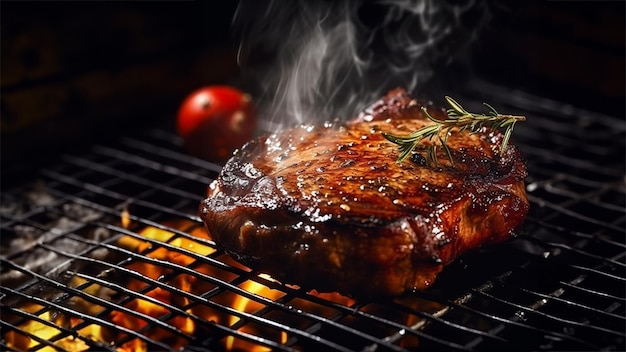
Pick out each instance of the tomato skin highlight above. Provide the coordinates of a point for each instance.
(213, 121)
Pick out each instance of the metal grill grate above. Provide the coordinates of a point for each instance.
(105, 252)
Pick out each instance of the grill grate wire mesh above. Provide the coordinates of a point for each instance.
(559, 286)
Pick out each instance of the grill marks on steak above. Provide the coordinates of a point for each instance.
(328, 208)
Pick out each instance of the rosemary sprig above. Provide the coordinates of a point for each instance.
(458, 118)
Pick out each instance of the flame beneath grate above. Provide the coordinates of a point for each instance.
(247, 305)
(149, 306)
(45, 331)
(153, 301)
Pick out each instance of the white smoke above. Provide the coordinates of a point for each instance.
(323, 60)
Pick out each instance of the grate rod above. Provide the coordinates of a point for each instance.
(157, 166)
(100, 301)
(555, 296)
(152, 148)
(461, 304)
(106, 192)
(562, 210)
(96, 320)
(533, 310)
(88, 164)
(197, 299)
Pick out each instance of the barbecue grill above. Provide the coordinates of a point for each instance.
(103, 250)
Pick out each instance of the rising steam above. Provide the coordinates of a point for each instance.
(322, 60)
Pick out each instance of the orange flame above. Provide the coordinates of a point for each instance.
(47, 331)
(244, 304)
(125, 218)
(150, 306)
(183, 282)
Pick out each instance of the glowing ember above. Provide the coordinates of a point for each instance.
(244, 304)
(183, 282)
(125, 218)
(45, 332)
(154, 301)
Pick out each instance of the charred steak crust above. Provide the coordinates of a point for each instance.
(328, 208)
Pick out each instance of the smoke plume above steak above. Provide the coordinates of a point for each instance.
(319, 60)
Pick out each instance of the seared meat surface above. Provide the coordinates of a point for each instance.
(328, 208)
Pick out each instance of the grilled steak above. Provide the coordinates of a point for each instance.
(328, 208)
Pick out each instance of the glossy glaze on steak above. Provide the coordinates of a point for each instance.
(328, 208)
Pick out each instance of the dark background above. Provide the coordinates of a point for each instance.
(73, 72)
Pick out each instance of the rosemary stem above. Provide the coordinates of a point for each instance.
(513, 117)
(457, 117)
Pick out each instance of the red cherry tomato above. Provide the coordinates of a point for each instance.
(213, 121)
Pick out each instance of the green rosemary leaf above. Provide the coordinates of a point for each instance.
(505, 139)
(446, 149)
(458, 120)
(393, 138)
(456, 106)
(493, 111)
(405, 150)
(431, 155)
(429, 116)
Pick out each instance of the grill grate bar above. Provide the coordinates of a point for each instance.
(50, 342)
(31, 213)
(414, 330)
(586, 236)
(73, 292)
(589, 197)
(90, 279)
(266, 309)
(157, 166)
(94, 319)
(579, 164)
(81, 257)
(566, 211)
(540, 303)
(535, 311)
(593, 292)
(327, 321)
(578, 280)
(42, 342)
(352, 311)
(357, 312)
(125, 176)
(551, 178)
(156, 150)
(265, 342)
(95, 244)
(437, 318)
(570, 254)
(123, 201)
(574, 250)
(513, 322)
(174, 248)
(601, 273)
(193, 298)
(555, 296)
(515, 319)
(223, 285)
(53, 234)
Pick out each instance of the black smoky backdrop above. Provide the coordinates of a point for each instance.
(329, 59)
(75, 72)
